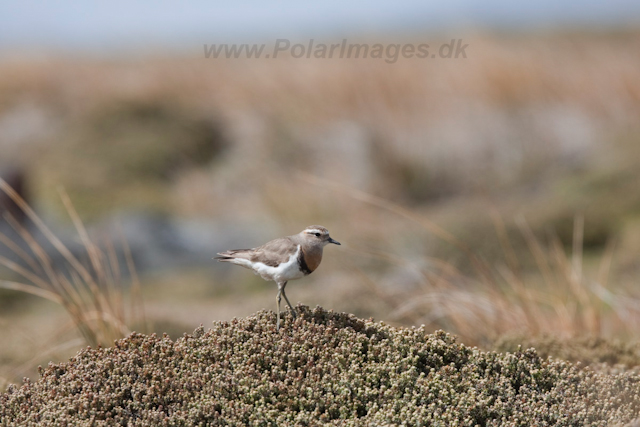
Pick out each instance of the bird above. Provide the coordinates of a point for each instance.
(283, 259)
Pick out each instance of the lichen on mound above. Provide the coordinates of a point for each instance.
(324, 368)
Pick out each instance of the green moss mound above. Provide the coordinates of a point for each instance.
(324, 368)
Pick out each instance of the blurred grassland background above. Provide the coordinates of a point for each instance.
(492, 196)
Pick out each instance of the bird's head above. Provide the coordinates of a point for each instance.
(317, 234)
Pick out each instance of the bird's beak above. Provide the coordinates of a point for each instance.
(335, 242)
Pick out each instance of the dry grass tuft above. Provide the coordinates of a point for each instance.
(558, 298)
(487, 300)
(93, 295)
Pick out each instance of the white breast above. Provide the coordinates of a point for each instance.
(288, 270)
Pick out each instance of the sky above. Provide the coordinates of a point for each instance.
(119, 24)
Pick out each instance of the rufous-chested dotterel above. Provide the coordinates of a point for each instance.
(284, 259)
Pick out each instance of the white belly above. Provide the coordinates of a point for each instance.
(289, 270)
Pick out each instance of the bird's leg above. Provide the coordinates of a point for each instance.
(293, 311)
(278, 299)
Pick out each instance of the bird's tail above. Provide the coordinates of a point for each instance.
(232, 254)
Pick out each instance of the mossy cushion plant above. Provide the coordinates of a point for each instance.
(324, 368)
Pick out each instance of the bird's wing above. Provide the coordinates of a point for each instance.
(272, 253)
(275, 252)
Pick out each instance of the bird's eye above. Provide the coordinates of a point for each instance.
(317, 234)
